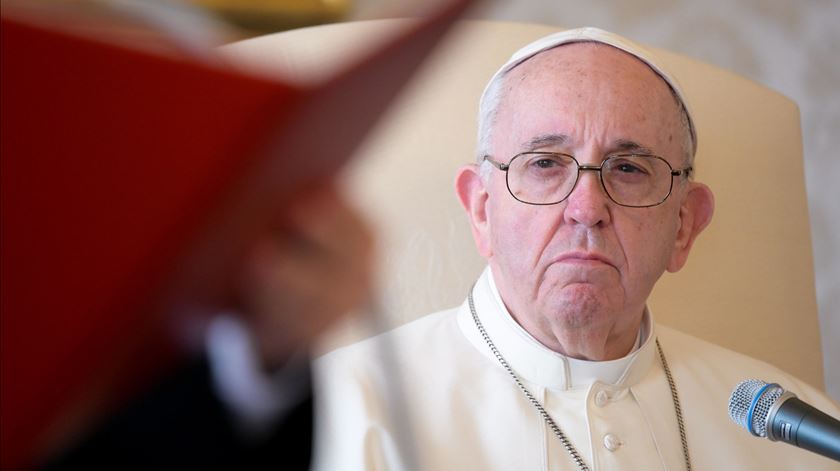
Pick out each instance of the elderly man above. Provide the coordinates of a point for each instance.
(582, 197)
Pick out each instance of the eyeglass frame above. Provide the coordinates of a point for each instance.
(594, 168)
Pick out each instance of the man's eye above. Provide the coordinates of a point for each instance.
(545, 163)
(629, 168)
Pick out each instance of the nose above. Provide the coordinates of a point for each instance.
(588, 204)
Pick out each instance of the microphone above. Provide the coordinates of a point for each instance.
(767, 410)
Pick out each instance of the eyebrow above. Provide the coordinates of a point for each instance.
(545, 140)
(548, 140)
(626, 145)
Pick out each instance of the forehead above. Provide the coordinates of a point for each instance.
(588, 87)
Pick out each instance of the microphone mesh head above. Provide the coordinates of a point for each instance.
(743, 397)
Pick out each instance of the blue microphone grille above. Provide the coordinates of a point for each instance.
(750, 404)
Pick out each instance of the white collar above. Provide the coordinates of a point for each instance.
(538, 364)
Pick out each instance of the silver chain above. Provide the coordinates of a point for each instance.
(575, 455)
(677, 407)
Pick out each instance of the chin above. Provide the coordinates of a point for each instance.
(578, 306)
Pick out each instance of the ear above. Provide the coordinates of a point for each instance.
(472, 193)
(695, 214)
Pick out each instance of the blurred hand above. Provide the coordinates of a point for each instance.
(302, 277)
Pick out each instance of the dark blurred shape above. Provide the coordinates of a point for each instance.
(182, 425)
(131, 183)
(111, 161)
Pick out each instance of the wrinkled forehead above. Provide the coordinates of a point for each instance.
(595, 35)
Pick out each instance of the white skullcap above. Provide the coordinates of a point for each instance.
(590, 34)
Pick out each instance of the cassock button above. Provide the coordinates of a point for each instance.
(601, 398)
(612, 442)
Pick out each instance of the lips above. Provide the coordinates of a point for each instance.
(584, 258)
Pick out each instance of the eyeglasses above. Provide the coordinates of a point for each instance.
(632, 180)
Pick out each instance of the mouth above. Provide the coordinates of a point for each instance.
(584, 258)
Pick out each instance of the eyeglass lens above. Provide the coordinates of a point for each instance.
(630, 180)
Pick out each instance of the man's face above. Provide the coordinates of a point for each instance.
(577, 274)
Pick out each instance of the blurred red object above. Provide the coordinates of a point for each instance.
(130, 182)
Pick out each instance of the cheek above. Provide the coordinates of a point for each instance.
(507, 232)
(647, 246)
(519, 234)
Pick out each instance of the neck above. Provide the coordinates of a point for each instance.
(564, 333)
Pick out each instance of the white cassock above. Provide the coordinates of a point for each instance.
(466, 413)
